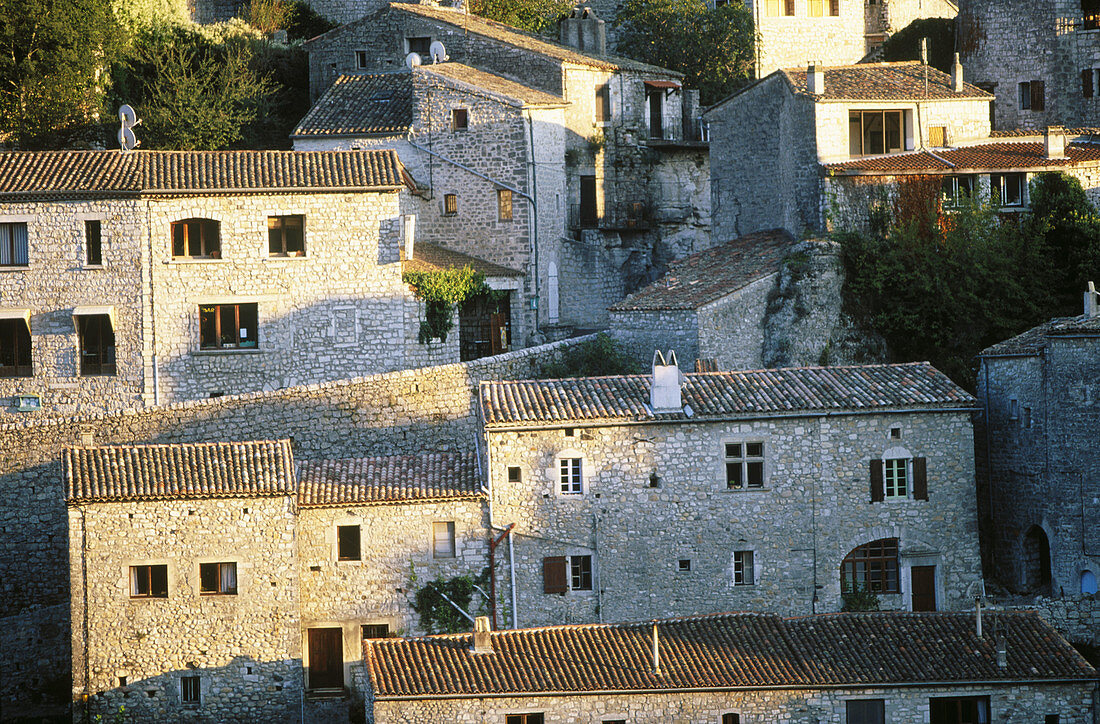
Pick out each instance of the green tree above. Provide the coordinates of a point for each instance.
(597, 357)
(536, 16)
(712, 47)
(1070, 227)
(51, 55)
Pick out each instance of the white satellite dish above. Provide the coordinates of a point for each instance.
(127, 141)
(439, 53)
(127, 115)
(412, 60)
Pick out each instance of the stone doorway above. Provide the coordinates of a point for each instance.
(1036, 575)
(484, 326)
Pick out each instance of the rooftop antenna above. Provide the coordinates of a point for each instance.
(127, 141)
(412, 60)
(438, 52)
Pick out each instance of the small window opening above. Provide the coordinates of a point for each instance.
(93, 243)
(684, 564)
(460, 119)
(514, 475)
(348, 543)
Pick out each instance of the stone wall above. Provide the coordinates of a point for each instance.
(814, 506)
(1013, 704)
(640, 334)
(731, 330)
(1076, 617)
(792, 41)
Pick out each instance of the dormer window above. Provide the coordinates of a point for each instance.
(874, 133)
(196, 239)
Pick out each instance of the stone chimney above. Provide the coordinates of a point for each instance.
(483, 637)
(664, 393)
(584, 31)
(408, 235)
(1092, 301)
(1002, 652)
(815, 79)
(1054, 142)
(957, 75)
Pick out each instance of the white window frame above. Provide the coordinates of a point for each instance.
(751, 568)
(570, 488)
(361, 55)
(451, 533)
(896, 457)
(997, 188)
(744, 460)
(591, 571)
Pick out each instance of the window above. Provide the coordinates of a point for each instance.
(603, 102)
(347, 543)
(196, 239)
(834, 8)
(683, 565)
(816, 8)
(504, 204)
(937, 136)
(1032, 95)
(959, 710)
(284, 235)
(218, 578)
(1051, 719)
(514, 474)
(450, 204)
(443, 539)
(1090, 82)
(190, 691)
(570, 478)
(460, 119)
(93, 245)
(149, 581)
(15, 348)
(865, 711)
(580, 573)
(956, 191)
(743, 574)
(876, 132)
(897, 477)
(744, 465)
(614, 721)
(422, 46)
(376, 630)
(731, 718)
(97, 345)
(566, 573)
(871, 567)
(788, 8)
(361, 61)
(228, 326)
(1008, 189)
(588, 212)
(523, 719)
(13, 244)
(1088, 583)
(656, 100)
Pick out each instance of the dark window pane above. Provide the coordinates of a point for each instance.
(93, 243)
(733, 475)
(15, 349)
(754, 449)
(733, 450)
(756, 474)
(348, 542)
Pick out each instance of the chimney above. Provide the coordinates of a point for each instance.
(664, 393)
(483, 641)
(978, 614)
(1054, 142)
(1092, 301)
(656, 651)
(815, 79)
(1002, 652)
(957, 75)
(584, 31)
(408, 233)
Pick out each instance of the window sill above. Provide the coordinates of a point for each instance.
(762, 489)
(215, 594)
(183, 261)
(92, 267)
(225, 352)
(285, 257)
(15, 268)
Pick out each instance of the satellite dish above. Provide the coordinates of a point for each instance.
(127, 115)
(412, 60)
(439, 53)
(127, 141)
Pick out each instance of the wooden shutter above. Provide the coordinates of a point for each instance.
(1086, 83)
(920, 478)
(1038, 92)
(877, 491)
(554, 578)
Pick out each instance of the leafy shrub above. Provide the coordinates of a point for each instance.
(859, 598)
(536, 16)
(598, 357)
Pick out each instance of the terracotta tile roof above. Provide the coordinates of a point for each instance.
(1035, 339)
(200, 470)
(378, 104)
(712, 274)
(432, 257)
(727, 651)
(719, 394)
(1031, 132)
(902, 81)
(29, 173)
(434, 476)
(493, 83)
(962, 159)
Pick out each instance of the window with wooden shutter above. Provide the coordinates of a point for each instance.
(877, 491)
(554, 575)
(1038, 93)
(937, 136)
(1086, 83)
(920, 478)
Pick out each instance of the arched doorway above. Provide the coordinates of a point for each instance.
(1036, 562)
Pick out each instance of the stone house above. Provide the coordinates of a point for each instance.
(770, 490)
(145, 277)
(780, 132)
(738, 667)
(622, 184)
(1041, 60)
(220, 582)
(1039, 464)
(710, 307)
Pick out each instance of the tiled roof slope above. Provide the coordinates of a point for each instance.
(884, 82)
(1034, 340)
(701, 278)
(407, 478)
(25, 173)
(200, 470)
(431, 257)
(493, 83)
(378, 104)
(1020, 132)
(727, 651)
(986, 156)
(720, 394)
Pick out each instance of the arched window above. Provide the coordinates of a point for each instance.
(1088, 583)
(871, 567)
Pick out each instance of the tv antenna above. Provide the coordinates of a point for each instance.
(412, 60)
(127, 141)
(439, 53)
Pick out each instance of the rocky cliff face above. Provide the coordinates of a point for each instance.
(804, 323)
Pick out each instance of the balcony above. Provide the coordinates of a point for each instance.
(626, 215)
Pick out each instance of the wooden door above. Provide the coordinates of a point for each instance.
(326, 658)
(589, 212)
(498, 332)
(924, 588)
